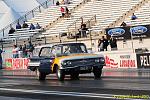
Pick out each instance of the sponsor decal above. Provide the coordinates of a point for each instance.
(120, 61)
(145, 60)
(138, 30)
(8, 64)
(116, 32)
(127, 61)
(110, 63)
(16, 63)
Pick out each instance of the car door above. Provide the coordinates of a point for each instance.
(40, 55)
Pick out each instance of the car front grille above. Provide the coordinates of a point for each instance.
(83, 62)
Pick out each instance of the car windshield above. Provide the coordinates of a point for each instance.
(69, 49)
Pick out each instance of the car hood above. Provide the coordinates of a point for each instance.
(79, 56)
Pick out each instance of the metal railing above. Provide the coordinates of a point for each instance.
(27, 16)
(75, 26)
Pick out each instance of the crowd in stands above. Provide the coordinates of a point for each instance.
(23, 51)
(24, 25)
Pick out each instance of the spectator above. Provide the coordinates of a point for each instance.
(20, 52)
(11, 31)
(83, 30)
(63, 2)
(100, 45)
(105, 43)
(25, 53)
(32, 27)
(57, 3)
(62, 11)
(113, 43)
(1, 60)
(123, 24)
(30, 49)
(133, 17)
(18, 26)
(67, 12)
(15, 51)
(25, 25)
(37, 26)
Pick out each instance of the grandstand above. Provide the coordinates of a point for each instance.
(97, 14)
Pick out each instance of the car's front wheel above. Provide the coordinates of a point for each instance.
(60, 74)
(40, 75)
(97, 72)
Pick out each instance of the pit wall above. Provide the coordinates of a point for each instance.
(124, 57)
(113, 60)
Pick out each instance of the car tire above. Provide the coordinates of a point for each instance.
(97, 72)
(74, 76)
(40, 75)
(60, 74)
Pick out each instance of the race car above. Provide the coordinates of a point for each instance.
(66, 59)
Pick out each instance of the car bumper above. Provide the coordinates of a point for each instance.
(80, 69)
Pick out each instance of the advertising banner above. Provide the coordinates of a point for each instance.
(122, 33)
(143, 60)
(8, 64)
(120, 60)
(16, 63)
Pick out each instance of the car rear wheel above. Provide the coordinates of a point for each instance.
(60, 74)
(40, 75)
(97, 72)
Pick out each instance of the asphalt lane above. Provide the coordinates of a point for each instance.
(114, 85)
(106, 88)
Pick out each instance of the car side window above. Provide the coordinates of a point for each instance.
(36, 51)
(45, 52)
(83, 48)
(56, 50)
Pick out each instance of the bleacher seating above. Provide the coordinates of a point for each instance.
(143, 16)
(51, 14)
(23, 33)
(106, 12)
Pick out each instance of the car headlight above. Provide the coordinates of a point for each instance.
(66, 63)
(102, 60)
(97, 60)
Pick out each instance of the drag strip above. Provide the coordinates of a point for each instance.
(73, 94)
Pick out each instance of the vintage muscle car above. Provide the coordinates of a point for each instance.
(66, 59)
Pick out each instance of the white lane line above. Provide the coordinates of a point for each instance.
(75, 94)
(8, 84)
(14, 98)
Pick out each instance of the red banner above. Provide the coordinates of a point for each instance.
(16, 63)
